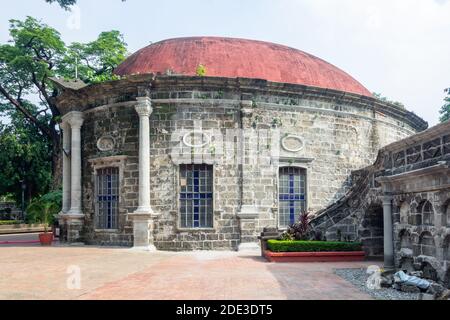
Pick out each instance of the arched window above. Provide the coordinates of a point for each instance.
(427, 245)
(404, 213)
(446, 247)
(292, 195)
(427, 211)
(446, 215)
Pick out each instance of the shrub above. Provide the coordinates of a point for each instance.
(299, 230)
(8, 222)
(312, 246)
(44, 209)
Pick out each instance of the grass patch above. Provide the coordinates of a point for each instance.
(312, 246)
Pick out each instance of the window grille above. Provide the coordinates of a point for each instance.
(107, 186)
(292, 195)
(196, 196)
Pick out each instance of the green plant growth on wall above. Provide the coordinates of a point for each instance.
(201, 70)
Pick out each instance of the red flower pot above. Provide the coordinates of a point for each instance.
(46, 239)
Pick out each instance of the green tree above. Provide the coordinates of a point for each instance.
(445, 109)
(36, 53)
(25, 156)
(66, 4)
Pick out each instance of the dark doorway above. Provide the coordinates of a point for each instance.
(372, 232)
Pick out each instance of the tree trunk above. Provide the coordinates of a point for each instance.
(56, 169)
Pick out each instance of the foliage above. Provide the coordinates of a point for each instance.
(97, 59)
(26, 156)
(8, 222)
(312, 246)
(44, 209)
(66, 4)
(379, 96)
(201, 70)
(299, 230)
(34, 54)
(445, 109)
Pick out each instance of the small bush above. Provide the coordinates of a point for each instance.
(312, 246)
(8, 222)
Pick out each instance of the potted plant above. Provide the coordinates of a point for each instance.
(43, 211)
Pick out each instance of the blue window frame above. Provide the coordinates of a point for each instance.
(292, 195)
(196, 196)
(107, 186)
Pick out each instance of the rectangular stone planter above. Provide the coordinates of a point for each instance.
(314, 256)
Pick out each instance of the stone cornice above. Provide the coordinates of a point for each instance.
(134, 86)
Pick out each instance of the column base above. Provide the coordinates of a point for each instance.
(247, 222)
(149, 248)
(71, 226)
(249, 246)
(143, 230)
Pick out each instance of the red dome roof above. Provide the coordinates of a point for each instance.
(231, 58)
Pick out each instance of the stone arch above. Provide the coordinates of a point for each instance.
(407, 264)
(447, 278)
(426, 210)
(446, 214)
(429, 272)
(427, 244)
(446, 248)
(404, 213)
(405, 239)
(372, 231)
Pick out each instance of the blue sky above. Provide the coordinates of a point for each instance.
(399, 48)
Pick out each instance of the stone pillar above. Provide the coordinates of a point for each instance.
(388, 234)
(144, 215)
(75, 121)
(249, 211)
(72, 217)
(66, 167)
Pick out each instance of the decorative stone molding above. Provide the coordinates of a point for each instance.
(106, 143)
(205, 137)
(144, 106)
(292, 143)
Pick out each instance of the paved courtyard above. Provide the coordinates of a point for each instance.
(34, 272)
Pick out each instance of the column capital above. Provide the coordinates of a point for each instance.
(144, 106)
(65, 126)
(75, 119)
(387, 200)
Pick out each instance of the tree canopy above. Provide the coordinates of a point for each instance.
(445, 109)
(66, 4)
(35, 53)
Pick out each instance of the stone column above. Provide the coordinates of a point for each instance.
(72, 217)
(388, 234)
(75, 121)
(144, 215)
(66, 167)
(248, 212)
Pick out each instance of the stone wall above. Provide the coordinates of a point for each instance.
(415, 172)
(336, 134)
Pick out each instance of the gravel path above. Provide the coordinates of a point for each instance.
(358, 277)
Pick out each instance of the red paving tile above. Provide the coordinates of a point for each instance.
(109, 273)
